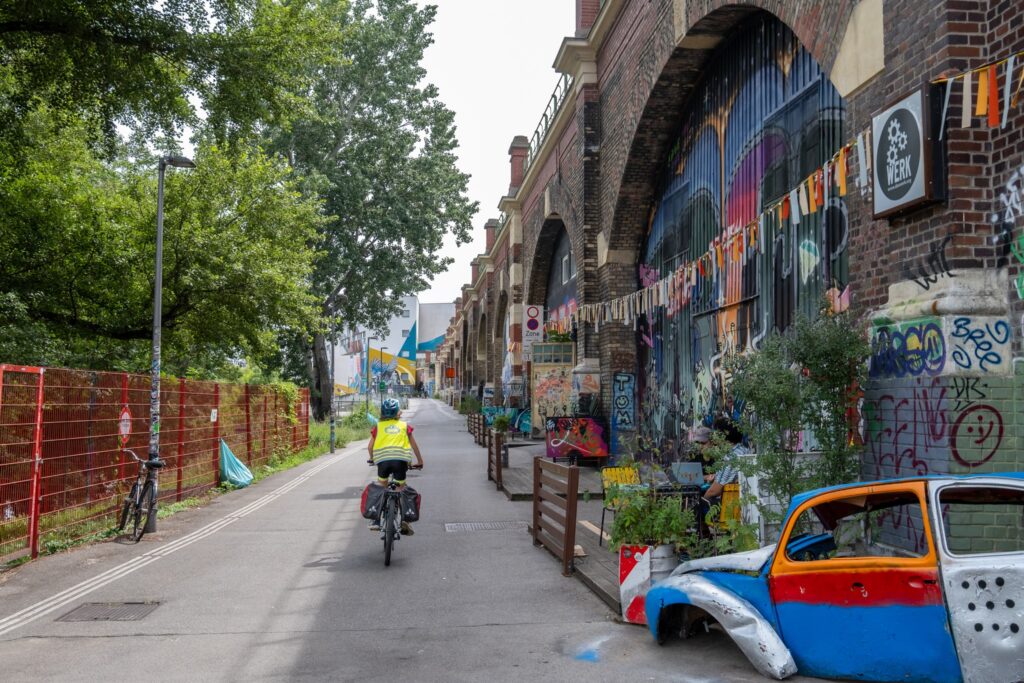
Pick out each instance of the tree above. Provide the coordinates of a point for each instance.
(380, 151)
(78, 238)
(143, 63)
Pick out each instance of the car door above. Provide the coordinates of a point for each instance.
(854, 596)
(980, 525)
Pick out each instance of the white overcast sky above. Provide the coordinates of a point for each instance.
(491, 61)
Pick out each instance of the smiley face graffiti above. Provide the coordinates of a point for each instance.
(977, 435)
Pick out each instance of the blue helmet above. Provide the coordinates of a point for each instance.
(389, 409)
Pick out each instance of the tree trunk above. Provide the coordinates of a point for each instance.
(323, 384)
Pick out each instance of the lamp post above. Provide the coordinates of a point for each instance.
(158, 281)
(331, 413)
(367, 378)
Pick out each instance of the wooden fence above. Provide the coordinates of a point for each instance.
(555, 494)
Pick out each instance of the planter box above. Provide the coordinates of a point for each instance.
(640, 566)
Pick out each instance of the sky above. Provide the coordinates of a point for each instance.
(491, 61)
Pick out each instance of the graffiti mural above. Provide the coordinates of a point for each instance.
(624, 401)
(765, 119)
(907, 349)
(575, 438)
(552, 392)
(919, 426)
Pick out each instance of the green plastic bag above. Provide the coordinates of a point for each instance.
(232, 470)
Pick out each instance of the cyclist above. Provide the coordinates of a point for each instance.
(391, 449)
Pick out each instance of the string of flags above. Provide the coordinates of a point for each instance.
(989, 101)
(738, 243)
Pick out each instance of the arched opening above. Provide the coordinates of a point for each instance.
(561, 290)
(761, 120)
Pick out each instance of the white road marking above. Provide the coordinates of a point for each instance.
(55, 602)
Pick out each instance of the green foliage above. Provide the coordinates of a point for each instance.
(148, 64)
(553, 337)
(642, 517)
(380, 150)
(79, 249)
(805, 379)
(501, 423)
(469, 405)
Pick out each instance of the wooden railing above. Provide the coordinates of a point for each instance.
(555, 493)
(494, 458)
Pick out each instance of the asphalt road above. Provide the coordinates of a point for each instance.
(283, 581)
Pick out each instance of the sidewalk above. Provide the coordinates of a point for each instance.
(598, 567)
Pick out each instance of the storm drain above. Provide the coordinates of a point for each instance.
(110, 611)
(517, 525)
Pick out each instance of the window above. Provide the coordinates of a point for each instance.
(405, 313)
(978, 520)
(565, 269)
(887, 524)
(405, 333)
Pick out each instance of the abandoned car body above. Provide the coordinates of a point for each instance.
(906, 580)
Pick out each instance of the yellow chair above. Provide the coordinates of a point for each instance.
(617, 476)
(730, 504)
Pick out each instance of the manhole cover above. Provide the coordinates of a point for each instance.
(484, 526)
(110, 611)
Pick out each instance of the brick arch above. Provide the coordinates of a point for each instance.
(710, 23)
(500, 308)
(537, 284)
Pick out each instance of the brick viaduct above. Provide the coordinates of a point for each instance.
(629, 74)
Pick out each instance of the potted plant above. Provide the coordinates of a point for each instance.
(501, 423)
(648, 529)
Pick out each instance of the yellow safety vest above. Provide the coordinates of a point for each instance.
(392, 442)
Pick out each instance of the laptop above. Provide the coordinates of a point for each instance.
(688, 473)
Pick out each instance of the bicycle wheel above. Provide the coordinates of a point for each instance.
(143, 511)
(126, 509)
(388, 528)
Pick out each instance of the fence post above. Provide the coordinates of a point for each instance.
(182, 389)
(124, 403)
(216, 436)
(277, 431)
(248, 429)
(499, 443)
(37, 471)
(263, 442)
(571, 497)
(536, 499)
(295, 426)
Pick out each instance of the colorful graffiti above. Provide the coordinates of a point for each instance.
(575, 438)
(930, 425)
(766, 119)
(908, 349)
(552, 390)
(624, 402)
(518, 418)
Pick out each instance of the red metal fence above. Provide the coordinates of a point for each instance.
(63, 473)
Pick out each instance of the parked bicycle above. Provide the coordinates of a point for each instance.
(391, 516)
(140, 504)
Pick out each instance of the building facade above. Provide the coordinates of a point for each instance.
(707, 171)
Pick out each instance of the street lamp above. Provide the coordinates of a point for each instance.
(379, 390)
(158, 281)
(367, 379)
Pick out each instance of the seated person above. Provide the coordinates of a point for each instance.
(728, 472)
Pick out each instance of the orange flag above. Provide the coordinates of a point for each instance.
(841, 175)
(812, 205)
(993, 97)
(785, 208)
(982, 108)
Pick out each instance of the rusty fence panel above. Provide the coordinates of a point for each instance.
(63, 472)
(555, 496)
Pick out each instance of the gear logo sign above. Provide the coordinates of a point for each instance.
(898, 155)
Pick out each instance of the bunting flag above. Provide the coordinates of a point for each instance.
(736, 245)
(990, 102)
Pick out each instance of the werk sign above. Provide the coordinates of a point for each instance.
(901, 155)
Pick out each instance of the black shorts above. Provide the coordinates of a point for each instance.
(396, 468)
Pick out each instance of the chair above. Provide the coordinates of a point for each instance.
(618, 476)
(730, 510)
